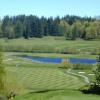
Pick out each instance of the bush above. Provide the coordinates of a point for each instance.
(82, 66)
(95, 87)
(69, 51)
(95, 51)
(65, 64)
(97, 72)
(91, 89)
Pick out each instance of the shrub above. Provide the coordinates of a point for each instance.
(69, 51)
(65, 64)
(91, 89)
(82, 66)
(97, 72)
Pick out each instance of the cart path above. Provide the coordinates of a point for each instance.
(86, 79)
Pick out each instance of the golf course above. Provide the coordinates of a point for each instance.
(33, 80)
(50, 50)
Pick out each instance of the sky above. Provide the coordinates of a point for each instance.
(49, 8)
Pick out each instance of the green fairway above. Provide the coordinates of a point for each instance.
(36, 77)
(40, 81)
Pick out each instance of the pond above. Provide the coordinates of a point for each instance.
(59, 60)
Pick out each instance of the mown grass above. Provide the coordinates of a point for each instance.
(39, 81)
(58, 95)
(25, 76)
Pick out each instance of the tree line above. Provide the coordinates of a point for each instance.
(72, 27)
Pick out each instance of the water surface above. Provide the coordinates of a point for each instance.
(59, 60)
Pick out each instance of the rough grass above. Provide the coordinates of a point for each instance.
(52, 55)
(51, 44)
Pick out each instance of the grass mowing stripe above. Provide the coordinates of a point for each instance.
(42, 78)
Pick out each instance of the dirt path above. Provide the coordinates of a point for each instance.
(86, 79)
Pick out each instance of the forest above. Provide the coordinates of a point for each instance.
(70, 26)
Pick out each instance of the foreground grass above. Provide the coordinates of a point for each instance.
(24, 76)
(59, 95)
(39, 81)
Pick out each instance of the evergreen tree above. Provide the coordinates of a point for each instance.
(4, 24)
(18, 29)
(56, 26)
(50, 26)
(0, 30)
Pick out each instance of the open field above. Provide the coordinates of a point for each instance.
(51, 45)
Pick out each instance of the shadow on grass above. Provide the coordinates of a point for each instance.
(93, 89)
(48, 90)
